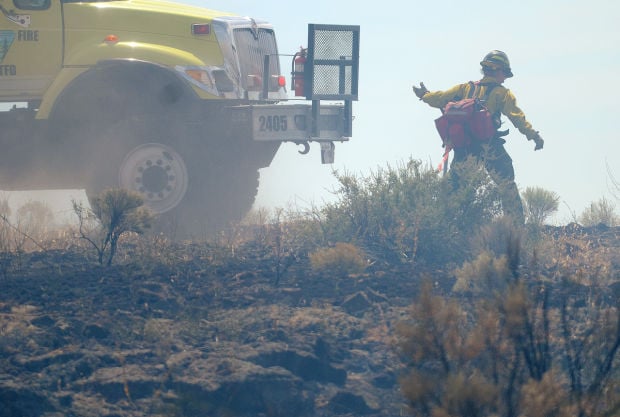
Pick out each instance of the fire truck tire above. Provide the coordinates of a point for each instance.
(218, 201)
(193, 190)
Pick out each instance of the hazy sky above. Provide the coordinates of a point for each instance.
(565, 56)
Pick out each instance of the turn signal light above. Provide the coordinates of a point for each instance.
(111, 39)
(201, 29)
(199, 75)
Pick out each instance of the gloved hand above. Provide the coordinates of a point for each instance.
(539, 142)
(420, 91)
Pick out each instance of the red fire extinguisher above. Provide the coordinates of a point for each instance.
(299, 61)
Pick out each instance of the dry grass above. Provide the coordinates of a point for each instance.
(342, 260)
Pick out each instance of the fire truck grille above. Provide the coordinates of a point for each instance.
(252, 46)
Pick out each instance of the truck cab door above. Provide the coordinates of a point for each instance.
(30, 47)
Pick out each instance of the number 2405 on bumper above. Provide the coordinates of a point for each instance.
(273, 123)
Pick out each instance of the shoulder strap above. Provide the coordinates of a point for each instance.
(474, 88)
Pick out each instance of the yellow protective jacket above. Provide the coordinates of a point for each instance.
(501, 100)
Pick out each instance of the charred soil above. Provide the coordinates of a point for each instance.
(223, 329)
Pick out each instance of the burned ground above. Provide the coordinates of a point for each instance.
(217, 329)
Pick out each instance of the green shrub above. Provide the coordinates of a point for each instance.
(539, 204)
(343, 259)
(410, 212)
(600, 212)
(113, 213)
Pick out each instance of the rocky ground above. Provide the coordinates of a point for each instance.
(206, 330)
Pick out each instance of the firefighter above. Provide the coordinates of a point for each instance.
(495, 69)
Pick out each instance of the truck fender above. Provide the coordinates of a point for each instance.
(60, 83)
(72, 76)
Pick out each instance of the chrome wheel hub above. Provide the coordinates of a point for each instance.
(158, 173)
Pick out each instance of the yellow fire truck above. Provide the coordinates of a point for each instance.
(180, 103)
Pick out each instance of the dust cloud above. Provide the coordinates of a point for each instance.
(58, 201)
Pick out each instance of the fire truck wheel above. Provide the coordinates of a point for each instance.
(217, 201)
(158, 173)
(194, 189)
